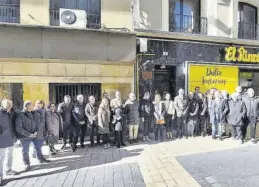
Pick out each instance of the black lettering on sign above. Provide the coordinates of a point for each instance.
(213, 72)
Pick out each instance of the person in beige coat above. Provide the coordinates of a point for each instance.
(104, 121)
(169, 115)
(53, 122)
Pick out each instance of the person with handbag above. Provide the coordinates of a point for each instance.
(169, 115)
(53, 122)
(159, 114)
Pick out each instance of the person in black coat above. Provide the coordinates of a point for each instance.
(132, 111)
(65, 110)
(203, 114)
(146, 114)
(6, 139)
(27, 132)
(79, 118)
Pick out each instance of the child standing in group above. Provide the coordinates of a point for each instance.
(117, 122)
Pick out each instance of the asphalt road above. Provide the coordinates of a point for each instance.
(228, 168)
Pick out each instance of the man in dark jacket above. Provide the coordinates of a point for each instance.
(65, 110)
(6, 139)
(27, 132)
(79, 122)
(192, 116)
(132, 111)
(40, 119)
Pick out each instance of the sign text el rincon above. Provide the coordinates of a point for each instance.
(234, 54)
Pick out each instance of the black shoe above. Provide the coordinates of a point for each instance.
(82, 146)
(135, 140)
(27, 168)
(99, 144)
(10, 172)
(130, 142)
(73, 147)
(43, 160)
(123, 144)
(52, 153)
(63, 146)
(118, 145)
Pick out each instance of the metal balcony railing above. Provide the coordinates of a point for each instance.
(93, 20)
(188, 24)
(10, 13)
(248, 31)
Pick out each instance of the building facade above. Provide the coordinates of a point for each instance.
(189, 43)
(40, 58)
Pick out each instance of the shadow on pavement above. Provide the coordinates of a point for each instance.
(82, 158)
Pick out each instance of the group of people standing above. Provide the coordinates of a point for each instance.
(190, 116)
(198, 113)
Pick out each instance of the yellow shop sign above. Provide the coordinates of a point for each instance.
(212, 76)
(234, 54)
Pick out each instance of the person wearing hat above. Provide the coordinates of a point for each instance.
(27, 131)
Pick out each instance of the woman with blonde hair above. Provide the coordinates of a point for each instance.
(159, 114)
(104, 121)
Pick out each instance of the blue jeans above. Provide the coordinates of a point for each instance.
(26, 146)
(216, 129)
(159, 130)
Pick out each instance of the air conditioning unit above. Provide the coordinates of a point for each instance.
(72, 18)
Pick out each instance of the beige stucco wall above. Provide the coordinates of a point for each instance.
(116, 14)
(34, 12)
(154, 15)
(223, 16)
(36, 76)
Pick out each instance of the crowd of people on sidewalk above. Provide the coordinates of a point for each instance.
(190, 116)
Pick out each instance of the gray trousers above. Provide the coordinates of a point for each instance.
(6, 159)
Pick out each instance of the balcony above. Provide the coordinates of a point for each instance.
(248, 31)
(188, 24)
(10, 13)
(93, 20)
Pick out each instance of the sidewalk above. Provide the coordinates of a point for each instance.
(151, 165)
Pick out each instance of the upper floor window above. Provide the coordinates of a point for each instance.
(247, 21)
(10, 11)
(92, 8)
(185, 16)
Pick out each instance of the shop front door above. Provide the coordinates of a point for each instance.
(164, 80)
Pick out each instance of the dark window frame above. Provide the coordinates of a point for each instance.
(199, 22)
(247, 30)
(241, 10)
(10, 11)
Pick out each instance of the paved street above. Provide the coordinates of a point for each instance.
(179, 163)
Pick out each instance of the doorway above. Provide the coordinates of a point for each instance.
(165, 80)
